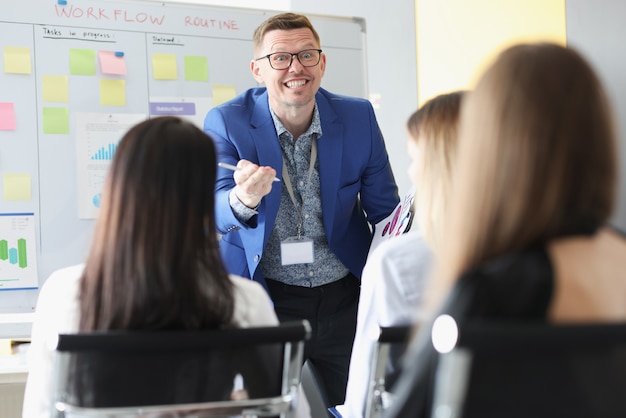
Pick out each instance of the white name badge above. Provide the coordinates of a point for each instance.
(296, 250)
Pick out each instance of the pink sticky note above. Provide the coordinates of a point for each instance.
(7, 117)
(112, 64)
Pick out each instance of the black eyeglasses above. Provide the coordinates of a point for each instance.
(283, 60)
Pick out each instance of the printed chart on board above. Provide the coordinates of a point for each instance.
(97, 136)
(18, 262)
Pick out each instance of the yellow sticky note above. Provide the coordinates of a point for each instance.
(112, 92)
(17, 60)
(82, 61)
(196, 68)
(6, 348)
(164, 67)
(56, 120)
(55, 88)
(223, 93)
(16, 186)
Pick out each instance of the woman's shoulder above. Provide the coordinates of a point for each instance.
(533, 260)
(411, 243)
(58, 301)
(519, 284)
(62, 280)
(406, 258)
(68, 272)
(252, 303)
(618, 231)
(246, 285)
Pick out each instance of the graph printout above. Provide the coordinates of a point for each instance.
(18, 254)
(397, 223)
(97, 136)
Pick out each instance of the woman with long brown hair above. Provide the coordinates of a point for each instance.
(528, 234)
(154, 262)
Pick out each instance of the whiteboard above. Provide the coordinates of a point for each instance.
(62, 109)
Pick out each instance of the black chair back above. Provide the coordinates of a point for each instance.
(117, 369)
(512, 369)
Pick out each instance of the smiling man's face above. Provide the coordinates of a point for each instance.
(296, 86)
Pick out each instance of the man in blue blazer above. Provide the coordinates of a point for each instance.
(306, 236)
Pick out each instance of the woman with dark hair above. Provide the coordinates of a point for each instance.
(527, 236)
(154, 262)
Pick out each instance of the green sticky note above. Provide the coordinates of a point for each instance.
(196, 68)
(56, 120)
(82, 61)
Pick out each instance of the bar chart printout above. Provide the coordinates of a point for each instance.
(18, 259)
(97, 137)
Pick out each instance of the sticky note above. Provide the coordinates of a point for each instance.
(17, 60)
(112, 92)
(164, 67)
(16, 186)
(223, 93)
(111, 63)
(6, 347)
(7, 117)
(119, 54)
(56, 120)
(82, 61)
(55, 88)
(196, 68)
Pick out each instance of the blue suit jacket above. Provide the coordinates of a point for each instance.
(357, 185)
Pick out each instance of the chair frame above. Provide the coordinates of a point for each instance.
(376, 398)
(291, 334)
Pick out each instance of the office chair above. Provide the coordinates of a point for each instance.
(384, 368)
(181, 373)
(513, 369)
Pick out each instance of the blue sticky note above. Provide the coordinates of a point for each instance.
(117, 53)
(62, 2)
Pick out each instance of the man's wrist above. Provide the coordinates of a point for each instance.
(241, 208)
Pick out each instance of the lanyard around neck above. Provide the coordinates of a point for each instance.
(289, 187)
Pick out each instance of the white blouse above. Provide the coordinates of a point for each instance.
(58, 310)
(392, 287)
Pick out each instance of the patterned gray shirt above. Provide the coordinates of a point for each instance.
(326, 267)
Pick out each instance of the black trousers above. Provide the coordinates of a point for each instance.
(331, 309)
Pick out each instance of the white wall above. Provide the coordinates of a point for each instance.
(596, 29)
(392, 64)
